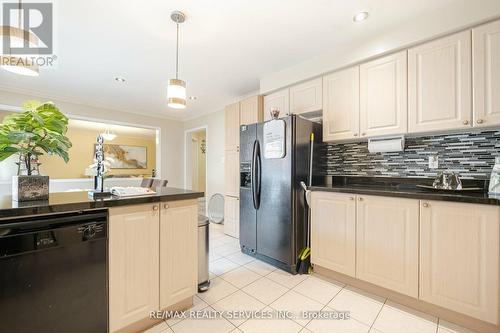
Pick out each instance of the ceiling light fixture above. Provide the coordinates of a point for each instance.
(176, 90)
(119, 79)
(108, 135)
(361, 16)
(17, 38)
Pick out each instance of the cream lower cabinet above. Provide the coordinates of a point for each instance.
(232, 216)
(133, 264)
(178, 251)
(459, 258)
(387, 243)
(333, 231)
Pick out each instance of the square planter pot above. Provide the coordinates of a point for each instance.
(30, 188)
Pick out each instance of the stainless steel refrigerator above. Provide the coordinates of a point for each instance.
(272, 203)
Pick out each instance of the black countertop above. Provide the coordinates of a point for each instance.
(404, 188)
(78, 201)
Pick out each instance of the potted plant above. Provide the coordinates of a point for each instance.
(40, 129)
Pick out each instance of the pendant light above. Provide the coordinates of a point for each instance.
(17, 37)
(176, 90)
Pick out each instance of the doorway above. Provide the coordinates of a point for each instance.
(195, 174)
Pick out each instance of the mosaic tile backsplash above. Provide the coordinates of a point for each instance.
(471, 155)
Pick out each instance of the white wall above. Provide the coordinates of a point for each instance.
(215, 149)
(463, 14)
(171, 163)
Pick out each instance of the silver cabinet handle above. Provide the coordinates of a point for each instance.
(360, 199)
(363, 134)
(425, 204)
(466, 122)
(351, 198)
(479, 121)
(355, 134)
(155, 207)
(166, 206)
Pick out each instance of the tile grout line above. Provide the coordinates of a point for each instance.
(378, 314)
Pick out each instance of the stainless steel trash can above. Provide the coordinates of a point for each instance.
(203, 239)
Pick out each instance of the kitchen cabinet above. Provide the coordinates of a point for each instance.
(133, 263)
(459, 258)
(333, 231)
(232, 216)
(387, 243)
(232, 173)
(251, 111)
(439, 84)
(178, 251)
(279, 100)
(341, 105)
(306, 97)
(383, 96)
(486, 74)
(232, 126)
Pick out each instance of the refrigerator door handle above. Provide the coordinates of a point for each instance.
(258, 177)
(252, 174)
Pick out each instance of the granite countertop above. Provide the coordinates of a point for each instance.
(77, 201)
(404, 188)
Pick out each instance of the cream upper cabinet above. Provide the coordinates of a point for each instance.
(251, 110)
(279, 100)
(341, 105)
(486, 74)
(439, 84)
(178, 251)
(232, 126)
(232, 216)
(306, 97)
(383, 96)
(459, 258)
(133, 264)
(232, 173)
(333, 231)
(387, 243)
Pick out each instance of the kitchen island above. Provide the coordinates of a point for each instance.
(147, 262)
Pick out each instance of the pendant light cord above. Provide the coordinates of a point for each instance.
(177, 53)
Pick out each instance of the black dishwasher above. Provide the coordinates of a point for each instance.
(53, 273)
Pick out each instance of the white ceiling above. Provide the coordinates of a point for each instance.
(226, 46)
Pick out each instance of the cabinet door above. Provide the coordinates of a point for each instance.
(279, 100)
(459, 258)
(251, 110)
(133, 264)
(486, 74)
(232, 173)
(306, 97)
(383, 96)
(341, 105)
(178, 252)
(387, 243)
(439, 84)
(333, 231)
(232, 216)
(232, 113)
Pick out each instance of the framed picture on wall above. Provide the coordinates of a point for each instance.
(126, 157)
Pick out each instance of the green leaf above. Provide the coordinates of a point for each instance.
(6, 152)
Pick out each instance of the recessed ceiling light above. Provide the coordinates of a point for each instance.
(193, 98)
(361, 16)
(119, 79)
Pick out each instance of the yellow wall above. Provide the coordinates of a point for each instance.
(81, 155)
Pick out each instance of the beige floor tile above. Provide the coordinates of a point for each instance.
(160, 328)
(212, 256)
(395, 318)
(239, 301)
(221, 266)
(265, 290)
(363, 306)
(260, 267)
(195, 325)
(240, 277)
(216, 243)
(198, 304)
(270, 325)
(295, 304)
(240, 258)
(218, 290)
(286, 279)
(447, 327)
(317, 289)
(226, 249)
(340, 326)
